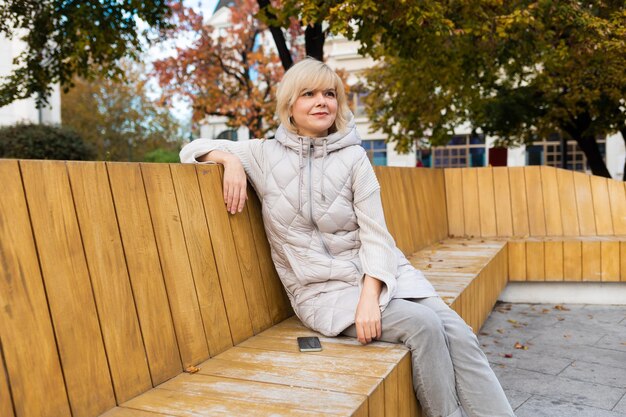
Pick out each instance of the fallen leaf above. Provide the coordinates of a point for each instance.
(512, 321)
(500, 331)
(429, 266)
(483, 334)
(560, 318)
(191, 369)
(561, 308)
(508, 355)
(567, 336)
(518, 345)
(545, 310)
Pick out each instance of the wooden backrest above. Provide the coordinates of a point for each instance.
(533, 201)
(115, 277)
(414, 201)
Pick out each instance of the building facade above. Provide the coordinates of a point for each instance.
(25, 110)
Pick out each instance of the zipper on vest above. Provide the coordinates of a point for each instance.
(317, 230)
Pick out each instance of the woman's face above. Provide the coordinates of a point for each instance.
(314, 111)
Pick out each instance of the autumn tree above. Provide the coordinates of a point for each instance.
(230, 72)
(518, 69)
(65, 39)
(120, 119)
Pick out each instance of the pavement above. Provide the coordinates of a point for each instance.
(559, 360)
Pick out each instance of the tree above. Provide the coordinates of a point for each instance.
(518, 69)
(118, 117)
(36, 141)
(71, 38)
(231, 73)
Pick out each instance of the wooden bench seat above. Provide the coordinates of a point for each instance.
(267, 375)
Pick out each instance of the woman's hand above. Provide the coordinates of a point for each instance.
(368, 318)
(235, 184)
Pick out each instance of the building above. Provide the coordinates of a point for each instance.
(463, 150)
(25, 110)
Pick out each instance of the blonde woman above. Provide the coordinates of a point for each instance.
(331, 248)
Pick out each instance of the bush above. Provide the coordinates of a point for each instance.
(161, 155)
(35, 141)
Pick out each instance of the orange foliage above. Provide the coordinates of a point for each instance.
(231, 72)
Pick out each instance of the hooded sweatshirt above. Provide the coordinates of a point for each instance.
(324, 222)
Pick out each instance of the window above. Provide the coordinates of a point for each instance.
(376, 151)
(548, 152)
(461, 151)
(355, 101)
(230, 134)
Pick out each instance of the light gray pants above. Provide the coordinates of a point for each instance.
(449, 368)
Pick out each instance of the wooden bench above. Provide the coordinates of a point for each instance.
(117, 277)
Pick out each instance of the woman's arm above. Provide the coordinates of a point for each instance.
(367, 319)
(240, 159)
(235, 180)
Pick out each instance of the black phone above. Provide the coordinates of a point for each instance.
(309, 344)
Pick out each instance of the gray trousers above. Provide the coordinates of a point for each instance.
(451, 374)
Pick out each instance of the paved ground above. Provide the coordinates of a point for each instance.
(559, 360)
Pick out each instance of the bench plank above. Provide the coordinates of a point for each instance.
(519, 204)
(69, 291)
(278, 303)
(250, 270)
(535, 261)
(454, 201)
(27, 346)
(551, 201)
(584, 203)
(144, 270)
(502, 193)
(334, 347)
(109, 279)
(436, 197)
(609, 254)
(201, 258)
(617, 196)
(572, 260)
(419, 225)
(187, 404)
(6, 405)
(601, 205)
(308, 362)
(486, 202)
(471, 211)
(392, 399)
(406, 396)
(534, 197)
(306, 378)
(567, 200)
(226, 257)
(130, 412)
(591, 261)
(376, 402)
(554, 260)
(181, 291)
(622, 267)
(263, 393)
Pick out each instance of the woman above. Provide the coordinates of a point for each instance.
(331, 248)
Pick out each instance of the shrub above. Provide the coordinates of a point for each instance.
(35, 141)
(161, 155)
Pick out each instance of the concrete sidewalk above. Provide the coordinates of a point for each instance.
(559, 360)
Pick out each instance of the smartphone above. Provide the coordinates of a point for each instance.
(309, 344)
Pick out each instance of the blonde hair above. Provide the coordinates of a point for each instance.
(310, 74)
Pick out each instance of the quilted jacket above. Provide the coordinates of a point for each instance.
(308, 188)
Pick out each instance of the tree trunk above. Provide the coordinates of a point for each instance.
(623, 132)
(314, 41)
(278, 35)
(578, 129)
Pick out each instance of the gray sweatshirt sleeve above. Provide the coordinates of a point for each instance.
(249, 152)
